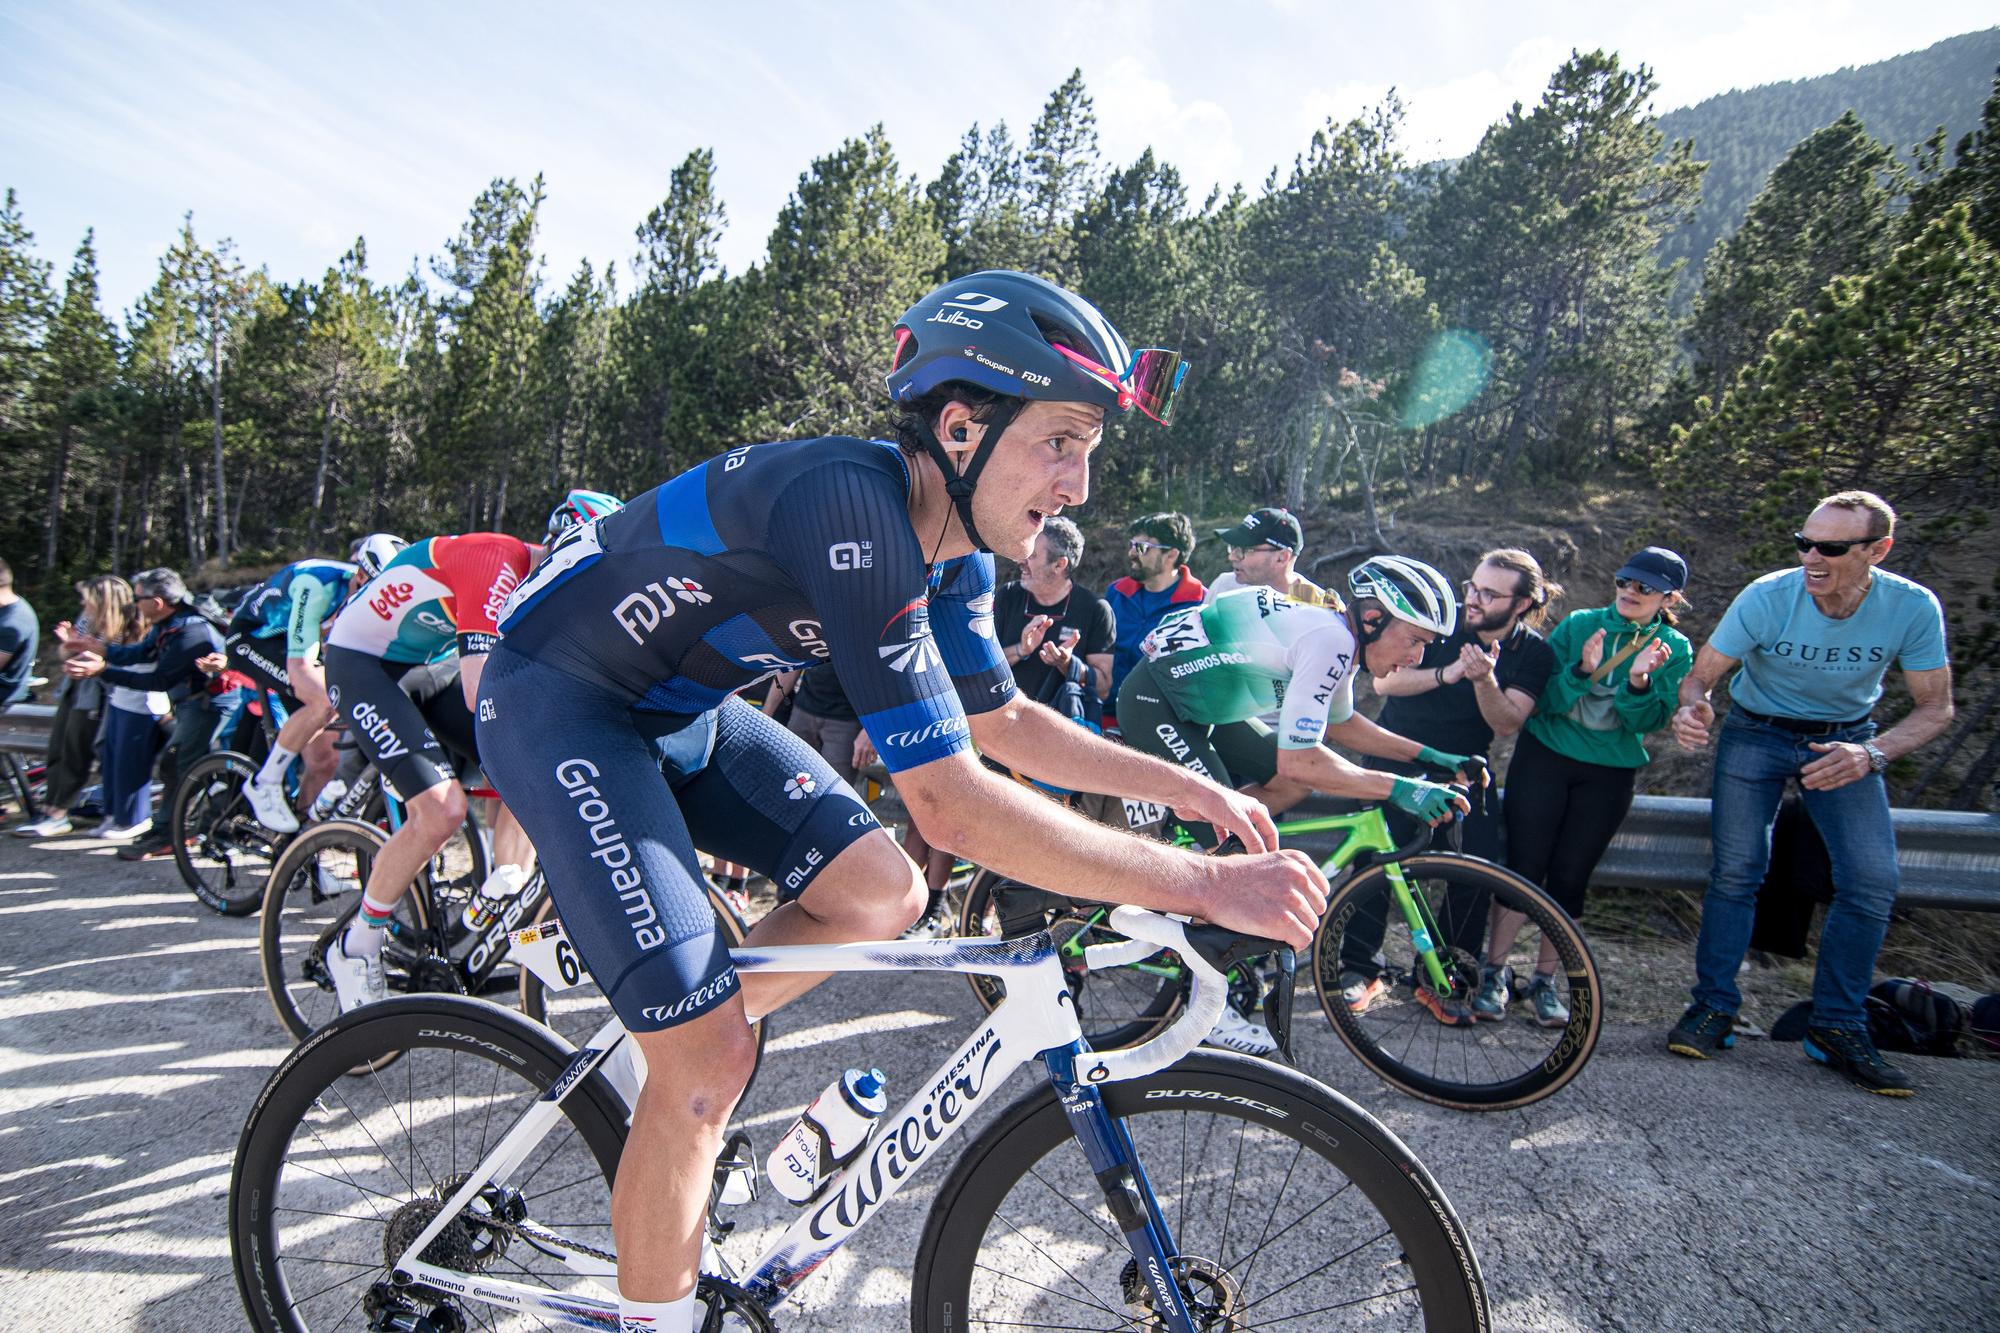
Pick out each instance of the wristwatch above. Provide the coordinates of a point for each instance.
(1877, 761)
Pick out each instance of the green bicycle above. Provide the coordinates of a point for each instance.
(1395, 965)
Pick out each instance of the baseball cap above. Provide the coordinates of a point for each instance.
(1657, 567)
(1276, 526)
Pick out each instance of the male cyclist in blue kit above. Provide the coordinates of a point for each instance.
(872, 554)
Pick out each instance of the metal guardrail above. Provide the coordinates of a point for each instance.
(24, 728)
(1948, 858)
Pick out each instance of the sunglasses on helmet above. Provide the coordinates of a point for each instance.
(1151, 383)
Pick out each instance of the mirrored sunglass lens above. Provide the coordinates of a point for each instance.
(1155, 380)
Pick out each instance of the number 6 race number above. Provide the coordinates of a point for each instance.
(547, 952)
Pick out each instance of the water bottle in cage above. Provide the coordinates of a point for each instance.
(328, 798)
(827, 1135)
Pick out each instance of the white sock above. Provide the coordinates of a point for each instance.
(363, 938)
(275, 764)
(656, 1316)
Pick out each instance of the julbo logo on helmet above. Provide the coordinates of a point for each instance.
(974, 301)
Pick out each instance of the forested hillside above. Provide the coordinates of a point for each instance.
(1743, 134)
(1369, 337)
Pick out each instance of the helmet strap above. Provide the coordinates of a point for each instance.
(1363, 634)
(958, 484)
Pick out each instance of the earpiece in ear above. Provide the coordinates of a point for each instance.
(959, 434)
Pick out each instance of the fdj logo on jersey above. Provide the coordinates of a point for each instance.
(641, 613)
(384, 603)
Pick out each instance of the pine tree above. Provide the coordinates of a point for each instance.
(1973, 178)
(79, 367)
(977, 199)
(26, 305)
(1059, 176)
(853, 247)
(1824, 212)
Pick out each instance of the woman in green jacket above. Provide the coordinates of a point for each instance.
(1618, 672)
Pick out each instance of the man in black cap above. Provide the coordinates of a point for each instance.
(1263, 550)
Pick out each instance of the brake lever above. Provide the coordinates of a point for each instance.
(1278, 1004)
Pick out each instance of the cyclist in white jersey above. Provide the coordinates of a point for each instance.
(1211, 670)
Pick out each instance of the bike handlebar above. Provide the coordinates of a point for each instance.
(1204, 1005)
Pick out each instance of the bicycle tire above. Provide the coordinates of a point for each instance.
(223, 852)
(579, 1011)
(314, 890)
(1485, 1067)
(1404, 1256)
(1117, 1007)
(491, 1063)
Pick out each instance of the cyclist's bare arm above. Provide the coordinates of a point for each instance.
(1359, 734)
(1324, 771)
(1021, 834)
(1033, 739)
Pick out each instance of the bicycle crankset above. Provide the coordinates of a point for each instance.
(1207, 1291)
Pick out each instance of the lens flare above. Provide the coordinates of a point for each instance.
(1453, 370)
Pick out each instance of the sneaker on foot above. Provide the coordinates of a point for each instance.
(48, 826)
(272, 808)
(932, 925)
(1550, 1011)
(1360, 990)
(1702, 1032)
(152, 847)
(1451, 1013)
(1854, 1054)
(356, 981)
(1496, 992)
(1234, 1032)
(111, 832)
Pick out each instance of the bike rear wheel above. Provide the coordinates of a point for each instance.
(335, 1176)
(1489, 1066)
(1116, 1007)
(1290, 1207)
(223, 852)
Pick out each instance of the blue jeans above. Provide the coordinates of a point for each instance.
(1753, 763)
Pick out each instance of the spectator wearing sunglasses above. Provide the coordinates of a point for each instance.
(1618, 673)
(1810, 647)
(1263, 552)
(1160, 581)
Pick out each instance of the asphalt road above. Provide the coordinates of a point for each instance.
(1754, 1192)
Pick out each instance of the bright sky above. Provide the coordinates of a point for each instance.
(294, 128)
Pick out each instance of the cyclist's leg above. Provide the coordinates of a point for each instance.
(766, 799)
(392, 731)
(262, 659)
(449, 719)
(1151, 724)
(622, 870)
(304, 732)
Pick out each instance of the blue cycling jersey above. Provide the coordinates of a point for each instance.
(769, 557)
(295, 602)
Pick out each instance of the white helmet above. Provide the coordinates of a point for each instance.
(1408, 590)
(374, 551)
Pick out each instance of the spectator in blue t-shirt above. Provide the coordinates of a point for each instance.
(20, 636)
(1810, 647)
(1160, 582)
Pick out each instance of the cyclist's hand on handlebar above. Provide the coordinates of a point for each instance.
(1230, 812)
(1432, 802)
(1277, 895)
(1467, 768)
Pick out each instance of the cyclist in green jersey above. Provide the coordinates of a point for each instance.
(1211, 670)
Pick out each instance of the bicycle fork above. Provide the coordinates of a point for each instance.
(1107, 1145)
(1423, 928)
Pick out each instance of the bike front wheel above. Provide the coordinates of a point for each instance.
(223, 852)
(1288, 1205)
(313, 892)
(1393, 1024)
(335, 1176)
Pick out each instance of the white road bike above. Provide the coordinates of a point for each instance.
(1158, 1188)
